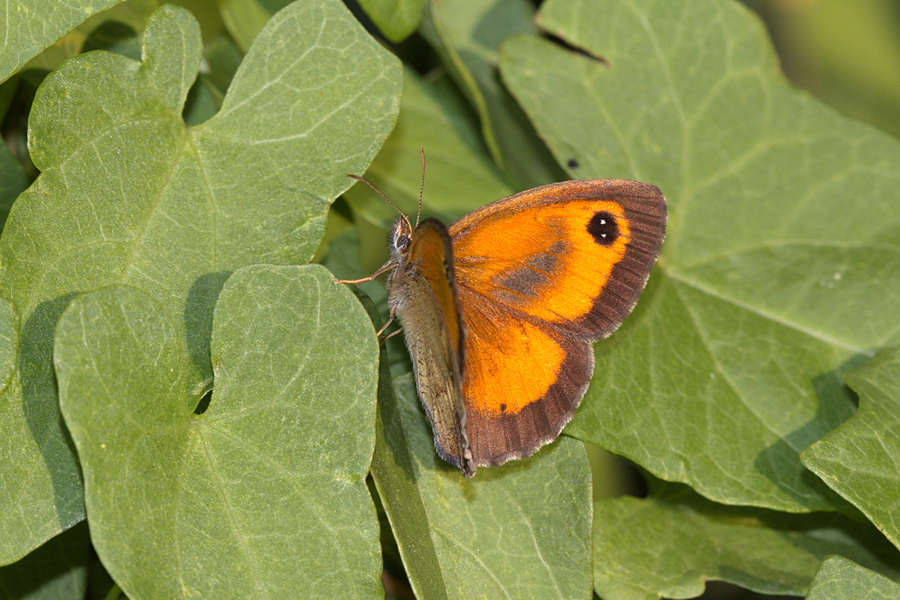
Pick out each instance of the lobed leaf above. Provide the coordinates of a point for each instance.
(262, 494)
(129, 195)
(730, 366)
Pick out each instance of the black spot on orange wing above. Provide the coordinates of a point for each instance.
(603, 228)
(646, 219)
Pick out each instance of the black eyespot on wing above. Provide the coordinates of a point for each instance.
(603, 228)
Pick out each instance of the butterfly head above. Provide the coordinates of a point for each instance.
(400, 237)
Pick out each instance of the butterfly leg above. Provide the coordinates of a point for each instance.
(385, 267)
(392, 334)
(388, 322)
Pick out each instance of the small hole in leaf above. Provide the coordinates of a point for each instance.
(204, 403)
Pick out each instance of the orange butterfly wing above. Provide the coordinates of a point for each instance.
(540, 276)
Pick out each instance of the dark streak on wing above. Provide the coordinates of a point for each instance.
(530, 279)
(545, 262)
(524, 281)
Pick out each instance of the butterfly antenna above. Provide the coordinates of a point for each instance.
(380, 193)
(421, 185)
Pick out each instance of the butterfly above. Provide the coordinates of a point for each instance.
(501, 309)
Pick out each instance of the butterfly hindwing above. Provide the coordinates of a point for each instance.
(510, 363)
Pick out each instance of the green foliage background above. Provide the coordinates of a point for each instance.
(190, 408)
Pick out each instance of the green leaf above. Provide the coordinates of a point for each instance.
(396, 19)
(468, 33)
(651, 548)
(30, 27)
(58, 570)
(782, 219)
(129, 195)
(261, 495)
(519, 530)
(859, 459)
(839, 578)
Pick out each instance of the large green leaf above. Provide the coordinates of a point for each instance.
(653, 548)
(263, 494)
(129, 195)
(840, 579)
(517, 531)
(783, 219)
(861, 458)
(29, 26)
